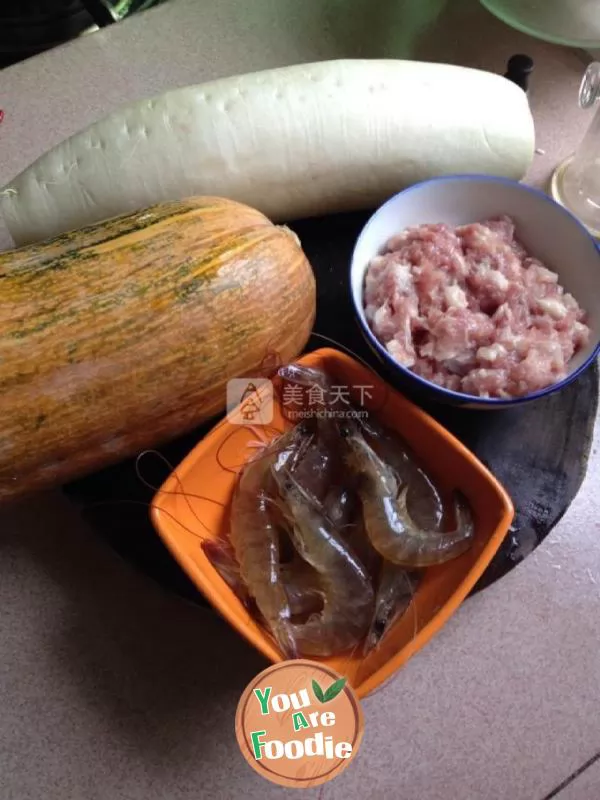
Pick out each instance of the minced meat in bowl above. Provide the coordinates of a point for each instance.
(469, 309)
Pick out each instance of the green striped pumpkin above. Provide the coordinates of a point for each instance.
(122, 335)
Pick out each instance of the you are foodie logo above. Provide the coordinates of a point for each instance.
(299, 724)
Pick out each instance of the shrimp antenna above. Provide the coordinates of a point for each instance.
(413, 606)
(266, 430)
(181, 491)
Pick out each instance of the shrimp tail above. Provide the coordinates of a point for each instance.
(421, 548)
(464, 517)
(464, 526)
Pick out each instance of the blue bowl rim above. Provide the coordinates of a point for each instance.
(459, 397)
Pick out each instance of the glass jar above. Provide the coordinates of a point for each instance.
(568, 22)
(576, 182)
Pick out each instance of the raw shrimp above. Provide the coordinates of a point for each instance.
(346, 588)
(340, 505)
(300, 581)
(309, 378)
(394, 594)
(225, 563)
(423, 498)
(424, 501)
(256, 542)
(319, 394)
(318, 466)
(315, 384)
(388, 524)
(303, 589)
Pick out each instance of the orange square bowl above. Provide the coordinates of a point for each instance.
(192, 505)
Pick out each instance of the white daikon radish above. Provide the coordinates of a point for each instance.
(292, 142)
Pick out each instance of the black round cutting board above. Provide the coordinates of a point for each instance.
(538, 451)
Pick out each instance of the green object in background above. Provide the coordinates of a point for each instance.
(378, 29)
(357, 28)
(123, 8)
(575, 23)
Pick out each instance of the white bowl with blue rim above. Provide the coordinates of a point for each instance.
(547, 230)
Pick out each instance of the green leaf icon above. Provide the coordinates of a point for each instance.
(334, 690)
(318, 692)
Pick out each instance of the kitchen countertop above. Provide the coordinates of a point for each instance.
(114, 689)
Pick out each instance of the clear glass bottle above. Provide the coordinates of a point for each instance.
(576, 181)
(575, 23)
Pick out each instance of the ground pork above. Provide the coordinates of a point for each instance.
(471, 310)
